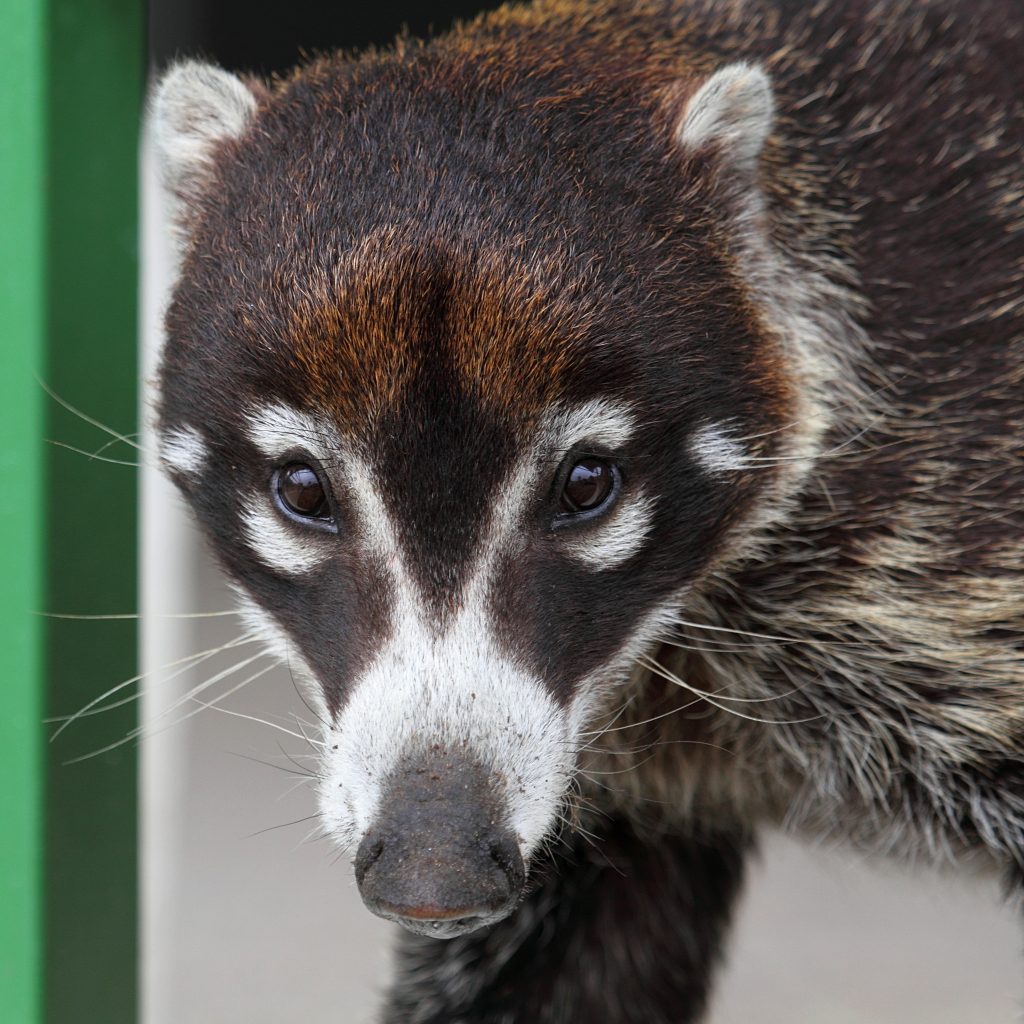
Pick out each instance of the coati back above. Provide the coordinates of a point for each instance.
(629, 388)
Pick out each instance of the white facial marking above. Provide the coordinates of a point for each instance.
(278, 429)
(276, 543)
(617, 538)
(599, 420)
(183, 451)
(454, 684)
(716, 452)
(455, 687)
(457, 690)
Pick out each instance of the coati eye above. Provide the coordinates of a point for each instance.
(301, 493)
(588, 486)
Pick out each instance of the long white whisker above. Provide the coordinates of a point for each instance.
(134, 615)
(186, 663)
(212, 681)
(103, 447)
(97, 458)
(762, 636)
(649, 662)
(253, 718)
(671, 677)
(144, 732)
(88, 419)
(598, 733)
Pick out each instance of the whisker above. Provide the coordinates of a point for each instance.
(301, 767)
(269, 764)
(145, 732)
(287, 824)
(586, 772)
(673, 678)
(134, 615)
(720, 646)
(651, 664)
(188, 662)
(213, 680)
(765, 636)
(103, 447)
(94, 457)
(598, 733)
(254, 718)
(302, 696)
(301, 726)
(87, 418)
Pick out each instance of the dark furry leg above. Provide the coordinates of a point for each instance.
(628, 932)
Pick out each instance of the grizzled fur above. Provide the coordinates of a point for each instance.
(429, 249)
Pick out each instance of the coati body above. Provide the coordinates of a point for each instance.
(617, 412)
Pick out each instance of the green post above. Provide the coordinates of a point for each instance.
(95, 78)
(22, 78)
(71, 75)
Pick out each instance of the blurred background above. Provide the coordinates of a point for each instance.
(176, 879)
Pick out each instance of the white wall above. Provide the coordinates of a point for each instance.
(245, 925)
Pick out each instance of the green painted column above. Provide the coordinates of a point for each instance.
(96, 56)
(71, 74)
(22, 76)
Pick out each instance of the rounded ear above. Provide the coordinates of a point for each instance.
(731, 112)
(196, 106)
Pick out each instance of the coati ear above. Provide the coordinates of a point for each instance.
(731, 112)
(195, 107)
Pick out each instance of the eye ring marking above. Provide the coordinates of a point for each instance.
(302, 496)
(587, 486)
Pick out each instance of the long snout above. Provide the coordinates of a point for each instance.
(440, 859)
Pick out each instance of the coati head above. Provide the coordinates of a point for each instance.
(470, 377)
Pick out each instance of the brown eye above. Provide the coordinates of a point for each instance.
(301, 492)
(588, 486)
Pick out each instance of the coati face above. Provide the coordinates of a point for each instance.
(465, 408)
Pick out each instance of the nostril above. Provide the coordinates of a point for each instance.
(505, 853)
(369, 852)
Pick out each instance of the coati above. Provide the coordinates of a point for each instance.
(615, 410)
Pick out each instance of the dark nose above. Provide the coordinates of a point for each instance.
(438, 861)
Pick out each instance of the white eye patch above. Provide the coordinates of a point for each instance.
(183, 451)
(716, 452)
(277, 429)
(600, 420)
(276, 543)
(613, 539)
(616, 539)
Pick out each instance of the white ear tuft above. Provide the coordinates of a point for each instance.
(732, 110)
(195, 106)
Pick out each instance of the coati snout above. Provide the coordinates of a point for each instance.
(438, 859)
(613, 410)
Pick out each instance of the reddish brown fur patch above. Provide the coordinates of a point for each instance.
(360, 334)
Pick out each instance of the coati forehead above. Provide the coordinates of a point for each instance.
(421, 325)
(374, 209)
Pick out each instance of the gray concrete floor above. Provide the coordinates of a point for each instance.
(256, 925)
